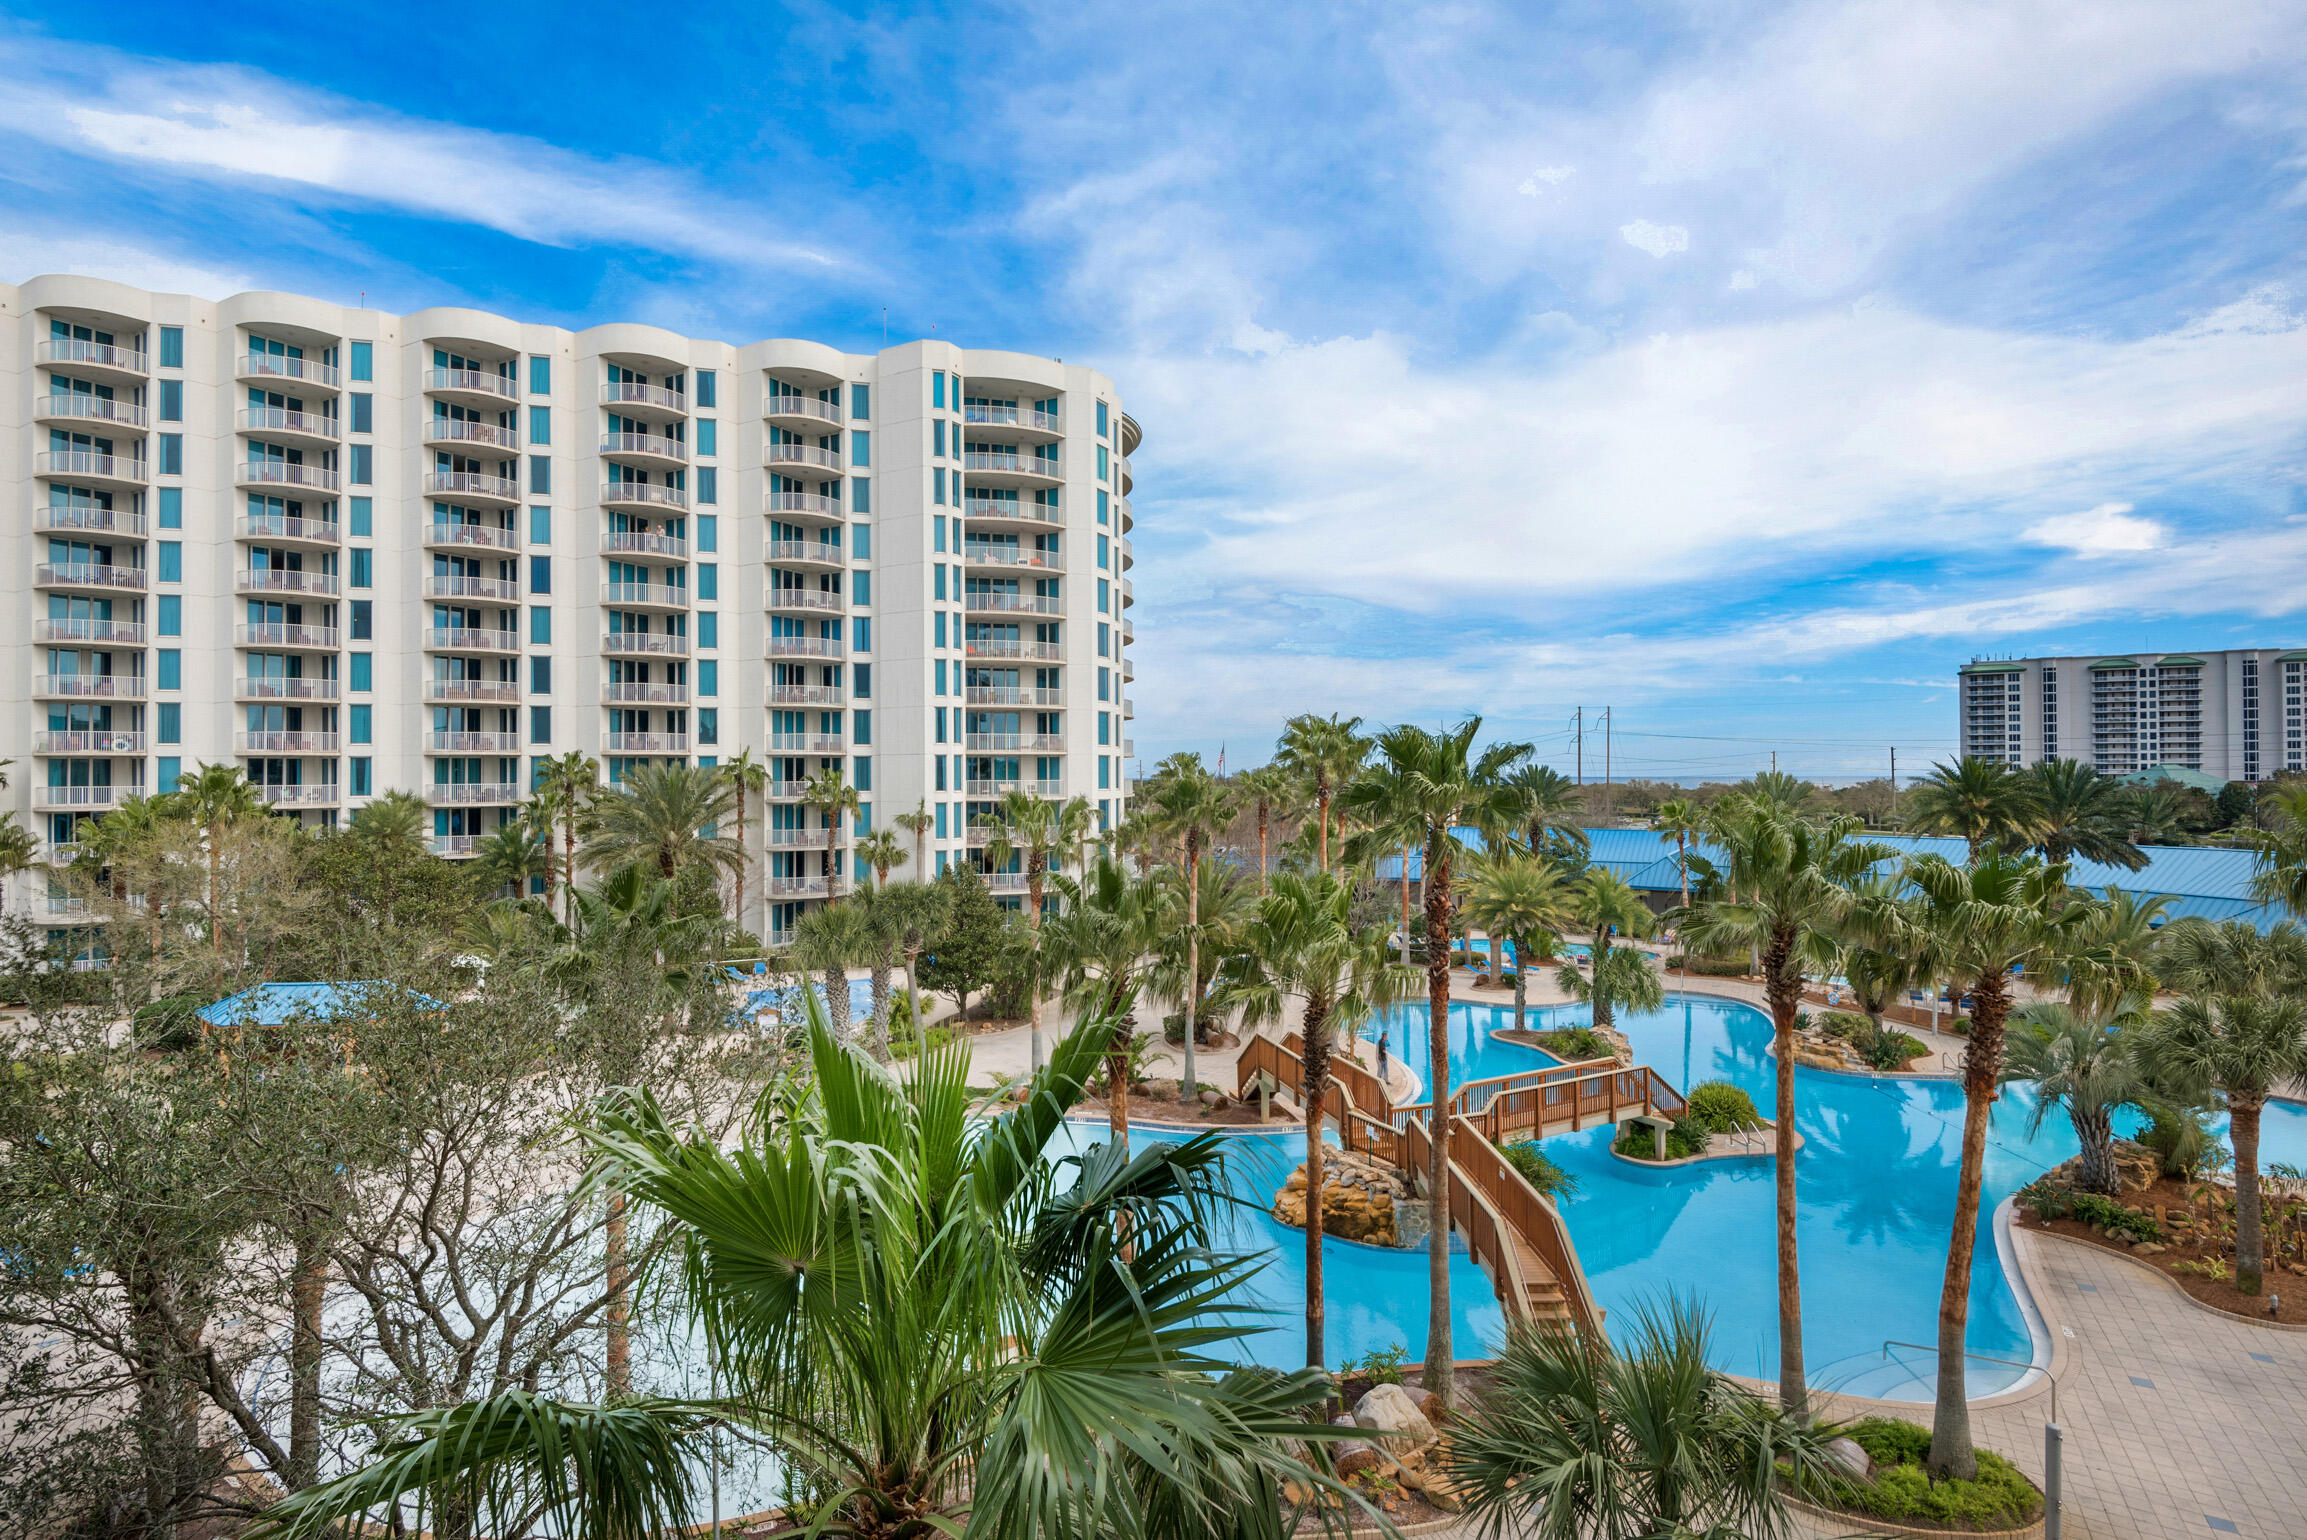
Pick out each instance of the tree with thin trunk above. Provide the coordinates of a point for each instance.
(1193, 805)
(1035, 832)
(2281, 876)
(1322, 754)
(2087, 1064)
(1268, 790)
(1434, 782)
(1616, 977)
(17, 850)
(1681, 820)
(1525, 901)
(1793, 880)
(745, 775)
(566, 786)
(1098, 945)
(1981, 925)
(917, 823)
(2239, 1029)
(829, 792)
(1302, 945)
(216, 797)
(827, 939)
(879, 850)
(1982, 802)
(1549, 811)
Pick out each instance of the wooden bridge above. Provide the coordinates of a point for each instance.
(1510, 1228)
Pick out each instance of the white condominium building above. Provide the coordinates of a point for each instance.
(2234, 714)
(354, 553)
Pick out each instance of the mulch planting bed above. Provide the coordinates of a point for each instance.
(2199, 1240)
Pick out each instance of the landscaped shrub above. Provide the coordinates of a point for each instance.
(171, 1023)
(1904, 1492)
(1845, 1025)
(2048, 1200)
(2182, 1137)
(1890, 1050)
(1708, 967)
(1722, 1108)
(2093, 1209)
(1686, 1138)
(1550, 1180)
(1571, 1044)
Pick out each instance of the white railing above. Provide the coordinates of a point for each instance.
(101, 355)
(815, 504)
(663, 595)
(630, 393)
(1012, 604)
(648, 743)
(807, 695)
(799, 839)
(1013, 465)
(472, 743)
(284, 473)
(277, 633)
(248, 688)
(77, 516)
(1011, 695)
(804, 454)
(285, 526)
(454, 845)
(627, 542)
(622, 693)
(805, 743)
(629, 642)
(459, 586)
(284, 743)
(458, 430)
(281, 419)
(1006, 416)
(787, 404)
(474, 690)
(470, 639)
(804, 647)
(1012, 556)
(1005, 508)
(126, 633)
(796, 887)
(1011, 743)
(826, 552)
(1039, 651)
(473, 382)
(472, 534)
(82, 796)
(88, 463)
(803, 599)
(86, 574)
(651, 444)
(282, 580)
(91, 686)
(86, 408)
(323, 795)
(88, 741)
(278, 366)
(646, 493)
(472, 484)
(467, 793)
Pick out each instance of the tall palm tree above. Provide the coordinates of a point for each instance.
(662, 818)
(1322, 754)
(1680, 819)
(1525, 900)
(2081, 813)
(1606, 904)
(2089, 1065)
(17, 849)
(1098, 944)
(1194, 806)
(1983, 923)
(2281, 877)
(1983, 802)
(2157, 815)
(1268, 790)
(509, 855)
(1550, 808)
(2240, 1029)
(1879, 948)
(1225, 902)
(745, 775)
(829, 792)
(879, 850)
(1034, 831)
(564, 792)
(917, 823)
(926, 1317)
(2123, 925)
(1432, 783)
(216, 797)
(1301, 944)
(827, 940)
(394, 821)
(1788, 792)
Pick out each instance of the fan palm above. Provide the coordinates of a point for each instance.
(827, 940)
(2122, 925)
(2281, 877)
(2087, 1064)
(829, 792)
(1983, 802)
(1036, 832)
(917, 823)
(1098, 945)
(927, 1318)
(2157, 815)
(1426, 784)
(563, 793)
(1194, 806)
(1523, 900)
(1322, 754)
(1878, 949)
(510, 855)
(1301, 944)
(1620, 977)
(880, 851)
(394, 821)
(1268, 790)
(1790, 793)
(2082, 813)
(1549, 809)
(1225, 902)
(17, 849)
(668, 816)
(1681, 820)
(215, 797)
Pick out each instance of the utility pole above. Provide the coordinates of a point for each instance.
(1894, 770)
(1581, 745)
(1608, 799)
(1774, 761)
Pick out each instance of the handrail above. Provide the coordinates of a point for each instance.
(1486, 1231)
(1532, 1217)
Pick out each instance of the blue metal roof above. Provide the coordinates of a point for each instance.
(276, 1005)
(776, 999)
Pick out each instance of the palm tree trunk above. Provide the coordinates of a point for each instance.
(743, 854)
(1405, 906)
(1322, 809)
(619, 1314)
(1951, 1453)
(1313, 1091)
(1437, 1376)
(304, 1355)
(1599, 954)
(1188, 1086)
(215, 913)
(1117, 1079)
(2250, 1223)
(1784, 986)
(1033, 985)
(1682, 859)
(2095, 1133)
(1521, 994)
(1261, 847)
(837, 999)
(569, 869)
(880, 1021)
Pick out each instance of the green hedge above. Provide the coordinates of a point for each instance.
(1708, 967)
(1722, 1108)
(1904, 1492)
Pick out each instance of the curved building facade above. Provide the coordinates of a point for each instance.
(355, 553)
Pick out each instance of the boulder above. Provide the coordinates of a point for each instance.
(1359, 1198)
(2149, 1249)
(1846, 1453)
(1389, 1412)
(1435, 1412)
(1443, 1494)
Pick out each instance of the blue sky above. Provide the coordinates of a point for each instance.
(1743, 368)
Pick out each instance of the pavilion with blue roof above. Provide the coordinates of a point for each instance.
(276, 1005)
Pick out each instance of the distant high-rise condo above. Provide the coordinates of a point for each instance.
(2234, 714)
(354, 552)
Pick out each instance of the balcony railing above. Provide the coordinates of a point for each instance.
(453, 846)
(653, 397)
(981, 461)
(1012, 743)
(1000, 416)
(472, 743)
(650, 445)
(86, 408)
(1039, 651)
(87, 464)
(282, 526)
(646, 494)
(805, 647)
(470, 639)
(281, 419)
(503, 489)
(88, 741)
(284, 743)
(324, 794)
(278, 633)
(1011, 695)
(788, 404)
(99, 355)
(69, 517)
(459, 430)
(123, 633)
(647, 743)
(276, 366)
(799, 839)
(1013, 556)
(473, 690)
(807, 695)
(473, 382)
(90, 686)
(805, 599)
(86, 574)
(816, 552)
(625, 693)
(1004, 508)
(459, 586)
(1012, 604)
(248, 688)
(285, 473)
(487, 536)
(631, 643)
(806, 743)
(797, 887)
(808, 456)
(656, 595)
(474, 793)
(804, 504)
(282, 580)
(82, 796)
(626, 542)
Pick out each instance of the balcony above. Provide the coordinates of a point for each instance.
(823, 554)
(73, 518)
(90, 741)
(68, 406)
(1127, 522)
(1048, 652)
(799, 839)
(88, 467)
(466, 537)
(273, 368)
(806, 743)
(473, 793)
(797, 887)
(454, 846)
(1011, 695)
(457, 586)
(287, 529)
(1025, 418)
(60, 798)
(1006, 882)
(1001, 511)
(1128, 481)
(803, 460)
(1002, 787)
(807, 695)
(654, 403)
(629, 644)
(625, 542)
(283, 580)
(472, 387)
(1128, 593)
(644, 449)
(324, 794)
(88, 686)
(805, 647)
(804, 414)
(1128, 631)
(270, 688)
(809, 507)
(1012, 556)
(643, 495)
(789, 601)
(631, 693)
(1011, 470)
(1015, 743)
(472, 743)
(284, 473)
(276, 633)
(104, 360)
(284, 743)
(465, 432)
(281, 422)
(473, 487)
(1128, 672)
(503, 691)
(646, 743)
(470, 639)
(119, 633)
(87, 574)
(644, 596)
(1128, 707)
(1129, 748)
(1012, 604)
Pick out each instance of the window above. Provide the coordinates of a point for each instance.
(171, 722)
(941, 834)
(360, 462)
(861, 541)
(362, 782)
(1103, 764)
(171, 454)
(708, 484)
(171, 668)
(1101, 419)
(863, 780)
(1101, 497)
(864, 725)
(861, 588)
(708, 724)
(708, 532)
(171, 619)
(540, 724)
(1101, 552)
(363, 360)
(708, 436)
(941, 739)
(540, 526)
(860, 402)
(1104, 722)
(364, 518)
(709, 580)
(541, 475)
(537, 772)
(709, 676)
(540, 375)
(363, 567)
(1101, 461)
(709, 629)
(172, 400)
(863, 688)
(540, 676)
(860, 495)
(172, 507)
(937, 485)
(540, 425)
(1104, 638)
(171, 561)
(1104, 676)
(363, 620)
(937, 387)
(860, 447)
(171, 771)
(1104, 596)
(171, 356)
(360, 717)
(940, 618)
(862, 629)
(541, 624)
(937, 581)
(708, 388)
(364, 670)
(540, 574)
(363, 412)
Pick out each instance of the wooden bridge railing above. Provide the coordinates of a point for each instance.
(1526, 1213)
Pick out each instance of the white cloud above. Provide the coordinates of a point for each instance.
(1742, 280)
(1551, 176)
(1658, 240)
(2101, 531)
(25, 252)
